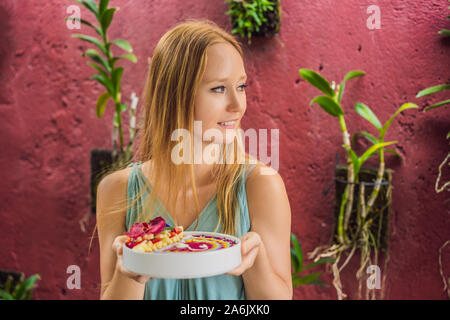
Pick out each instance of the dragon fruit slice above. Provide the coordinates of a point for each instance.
(156, 225)
(140, 229)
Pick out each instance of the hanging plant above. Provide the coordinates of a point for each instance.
(363, 195)
(250, 18)
(109, 75)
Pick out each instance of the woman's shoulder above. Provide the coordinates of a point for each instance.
(116, 179)
(112, 187)
(260, 172)
(266, 195)
(264, 181)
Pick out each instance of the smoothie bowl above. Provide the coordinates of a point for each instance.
(170, 252)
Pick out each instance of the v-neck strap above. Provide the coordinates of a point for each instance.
(212, 203)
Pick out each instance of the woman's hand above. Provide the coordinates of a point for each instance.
(250, 244)
(117, 246)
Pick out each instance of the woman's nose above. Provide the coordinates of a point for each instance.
(236, 102)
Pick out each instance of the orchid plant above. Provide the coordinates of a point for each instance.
(362, 237)
(108, 74)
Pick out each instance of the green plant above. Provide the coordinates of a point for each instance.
(361, 237)
(248, 15)
(298, 267)
(432, 90)
(426, 92)
(109, 75)
(22, 290)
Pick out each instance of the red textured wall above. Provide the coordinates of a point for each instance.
(48, 128)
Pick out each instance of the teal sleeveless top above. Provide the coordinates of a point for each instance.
(220, 287)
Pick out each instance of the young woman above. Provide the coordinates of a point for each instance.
(197, 74)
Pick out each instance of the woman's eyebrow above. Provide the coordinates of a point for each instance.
(223, 79)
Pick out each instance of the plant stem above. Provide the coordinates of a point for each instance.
(349, 190)
(377, 186)
(118, 106)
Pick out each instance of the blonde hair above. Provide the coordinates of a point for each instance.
(175, 70)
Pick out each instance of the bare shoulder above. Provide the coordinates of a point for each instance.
(264, 179)
(116, 181)
(112, 192)
(268, 203)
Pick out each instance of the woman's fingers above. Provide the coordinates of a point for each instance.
(250, 243)
(117, 247)
(247, 263)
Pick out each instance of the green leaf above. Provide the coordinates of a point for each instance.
(116, 76)
(433, 89)
(366, 155)
(130, 57)
(105, 82)
(103, 5)
(85, 22)
(394, 152)
(255, 16)
(317, 81)
(98, 68)
(8, 284)
(294, 261)
(365, 112)
(5, 295)
(101, 104)
(404, 106)
(318, 262)
(320, 283)
(90, 5)
(436, 105)
(123, 44)
(94, 55)
(106, 18)
(329, 105)
(298, 281)
(348, 76)
(298, 251)
(353, 74)
(91, 40)
(26, 286)
(367, 135)
(444, 32)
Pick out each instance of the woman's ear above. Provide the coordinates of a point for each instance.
(149, 60)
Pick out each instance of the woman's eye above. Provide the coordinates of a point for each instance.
(214, 89)
(241, 86)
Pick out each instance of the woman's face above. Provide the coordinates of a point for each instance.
(221, 93)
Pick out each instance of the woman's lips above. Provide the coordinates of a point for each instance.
(228, 124)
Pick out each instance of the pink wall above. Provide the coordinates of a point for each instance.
(48, 127)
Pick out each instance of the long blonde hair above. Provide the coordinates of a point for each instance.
(176, 68)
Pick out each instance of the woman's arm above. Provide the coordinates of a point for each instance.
(269, 277)
(116, 282)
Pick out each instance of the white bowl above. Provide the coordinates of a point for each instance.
(184, 265)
